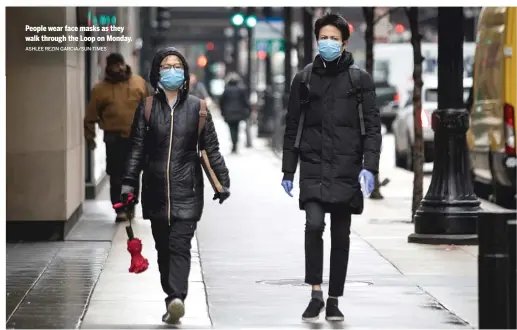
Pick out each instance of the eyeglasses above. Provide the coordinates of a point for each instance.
(171, 67)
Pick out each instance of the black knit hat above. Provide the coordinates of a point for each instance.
(114, 58)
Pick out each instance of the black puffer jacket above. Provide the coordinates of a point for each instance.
(331, 149)
(172, 182)
(234, 103)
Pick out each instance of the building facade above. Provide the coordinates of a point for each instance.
(48, 166)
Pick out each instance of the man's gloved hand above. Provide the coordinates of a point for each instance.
(223, 195)
(91, 144)
(125, 191)
(368, 179)
(288, 186)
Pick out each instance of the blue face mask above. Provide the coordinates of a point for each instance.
(172, 79)
(329, 49)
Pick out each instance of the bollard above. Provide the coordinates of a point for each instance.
(512, 231)
(494, 270)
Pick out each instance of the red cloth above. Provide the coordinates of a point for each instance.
(139, 264)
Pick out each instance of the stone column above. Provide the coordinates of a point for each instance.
(44, 139)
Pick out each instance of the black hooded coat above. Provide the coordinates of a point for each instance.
(234, 103)
(166, 149)
(332, 152)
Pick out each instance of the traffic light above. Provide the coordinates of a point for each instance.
(202, 61)
(163, 18)
(251, 21)
(237, 19)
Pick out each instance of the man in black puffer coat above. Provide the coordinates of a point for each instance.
(338, 147)
(165, 147)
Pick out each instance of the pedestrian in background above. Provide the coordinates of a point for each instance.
(165, 146)
(197, 88)
(112, 104)
(235, 106)
(335, 155)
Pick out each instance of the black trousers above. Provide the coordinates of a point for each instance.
(340, 221)
(173, 244)
(118, 150)
(234, 133)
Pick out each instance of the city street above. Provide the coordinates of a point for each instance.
(248, 264)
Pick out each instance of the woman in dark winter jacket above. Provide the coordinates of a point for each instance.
(165, 146)
(234, 106)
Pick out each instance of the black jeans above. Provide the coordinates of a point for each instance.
(339, 251)
(118, 150)
(173, 244)
(234, 133)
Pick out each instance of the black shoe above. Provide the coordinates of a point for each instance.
(333, 313)
(312, 313)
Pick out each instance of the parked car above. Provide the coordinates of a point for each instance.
(491, 138)
(387, 102)
(403, 128)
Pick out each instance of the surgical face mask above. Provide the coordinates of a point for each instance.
(329, 49)
(172, 79)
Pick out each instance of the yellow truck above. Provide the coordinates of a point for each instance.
(491, 138)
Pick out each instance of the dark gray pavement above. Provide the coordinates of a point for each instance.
(251, 251)
(49, 284)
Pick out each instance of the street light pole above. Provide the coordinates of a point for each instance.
(449, 211)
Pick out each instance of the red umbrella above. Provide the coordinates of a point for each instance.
(139, 264)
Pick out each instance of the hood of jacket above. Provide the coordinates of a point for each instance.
(154, 75)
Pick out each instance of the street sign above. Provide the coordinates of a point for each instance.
(270, 46)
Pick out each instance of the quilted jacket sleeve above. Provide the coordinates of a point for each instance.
(372, 123)
(211, 146)
(137, 156)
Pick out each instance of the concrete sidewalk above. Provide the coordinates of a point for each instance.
(253, 261)
(125, 300)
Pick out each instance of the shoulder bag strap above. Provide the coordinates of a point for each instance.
(306, 80)
(355, 79)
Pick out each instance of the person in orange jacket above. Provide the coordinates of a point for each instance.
(113, 103)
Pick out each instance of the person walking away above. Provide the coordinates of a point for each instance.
(234, 106)
(332, 102)
(197, 88)
(112, 104)
(165, 146)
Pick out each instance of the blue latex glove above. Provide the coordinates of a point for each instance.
(288, 186)
(368, 179)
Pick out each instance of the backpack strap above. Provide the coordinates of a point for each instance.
(148, 108)
(305, 83)
(354, 72)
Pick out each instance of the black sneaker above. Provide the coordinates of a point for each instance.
(312, 313)
(333, 313)
(166, 317)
